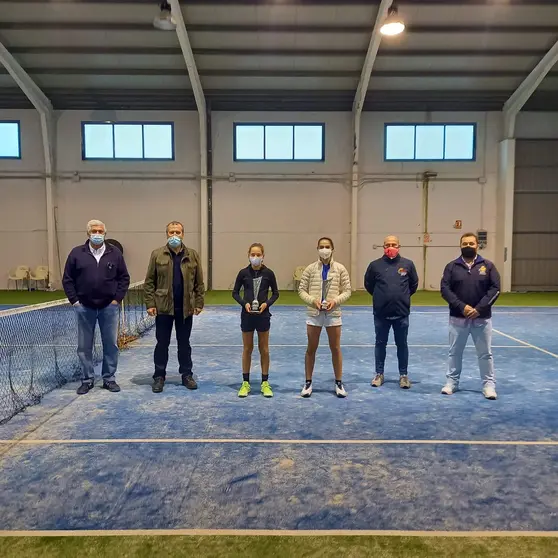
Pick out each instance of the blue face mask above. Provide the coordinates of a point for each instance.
(174, 241)
(97, 239)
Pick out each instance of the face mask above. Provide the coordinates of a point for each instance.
(174, 241)
(468, 252)
(97, 239)
(256, 261)
(325, 253)
(391, 252)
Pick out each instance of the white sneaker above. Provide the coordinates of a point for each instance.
(448, 389)
(340, 390)
(490, 393)
(306, 390)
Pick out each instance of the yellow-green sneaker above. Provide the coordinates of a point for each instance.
(266, 390)
(244, 390)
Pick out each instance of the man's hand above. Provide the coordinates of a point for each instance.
(115, 302)
(76, 304)
(470, 312)
(197, 311)
(263, 307)
(152, 311)
(330, 305)
(248, 308)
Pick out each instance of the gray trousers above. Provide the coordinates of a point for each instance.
(481, 332)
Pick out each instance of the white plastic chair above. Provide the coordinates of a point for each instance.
(20, 273)
(40, 275)
(297, 276)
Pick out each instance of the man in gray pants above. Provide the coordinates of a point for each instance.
(470, 285)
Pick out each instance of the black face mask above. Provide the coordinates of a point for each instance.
(468, 252)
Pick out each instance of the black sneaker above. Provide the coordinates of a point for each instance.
(111, 386)
(189, 382)
(84, 388)
(158, 385)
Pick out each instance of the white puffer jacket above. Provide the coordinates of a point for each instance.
(310, 288)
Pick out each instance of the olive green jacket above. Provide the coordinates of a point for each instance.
(158, 281)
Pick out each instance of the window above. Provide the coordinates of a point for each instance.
(128, 141)
(279, 142)
(430, 142)
(10, 140)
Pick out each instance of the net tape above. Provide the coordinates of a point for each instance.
(38, 347)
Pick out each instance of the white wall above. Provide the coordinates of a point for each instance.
(287, 206)
(135, 200)
(23, 200)
(393, 204)
(287, 215)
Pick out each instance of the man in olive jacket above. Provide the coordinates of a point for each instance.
(174, 293)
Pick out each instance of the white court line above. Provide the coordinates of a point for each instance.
(46, 442)
(525, 343)
(150, 345)
(275, 533)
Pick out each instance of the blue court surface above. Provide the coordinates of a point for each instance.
(9, 306)
(382, 459)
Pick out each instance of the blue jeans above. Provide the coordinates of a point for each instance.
(400, 332)
(108, 326)
(481, 332)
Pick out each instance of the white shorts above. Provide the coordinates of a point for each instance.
(323, 319)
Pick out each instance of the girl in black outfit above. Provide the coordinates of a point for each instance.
(256, 280)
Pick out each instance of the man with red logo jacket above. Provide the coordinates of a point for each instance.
(391, 280)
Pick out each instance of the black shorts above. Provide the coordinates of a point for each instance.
(255, 322)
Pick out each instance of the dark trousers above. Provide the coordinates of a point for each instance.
(400, 331)
(163, 331)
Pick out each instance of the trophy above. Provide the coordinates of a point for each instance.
(255, 304)
(325, 289)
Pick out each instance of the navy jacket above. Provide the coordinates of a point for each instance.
(245, 280)
(95, 285)
(478, 287)
(391, 282)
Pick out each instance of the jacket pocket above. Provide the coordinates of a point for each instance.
(161, 296)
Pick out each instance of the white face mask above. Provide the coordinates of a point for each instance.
(325, 253)
(256, 261)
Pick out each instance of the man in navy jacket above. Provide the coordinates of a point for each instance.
(470, 285)
(391, 280)
(95, 282)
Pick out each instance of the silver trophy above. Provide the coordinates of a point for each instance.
(255, 303)
(325, 289)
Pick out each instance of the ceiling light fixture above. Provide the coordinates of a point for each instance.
(164, 21)
(393, 25)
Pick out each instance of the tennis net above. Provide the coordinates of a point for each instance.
(38, 347)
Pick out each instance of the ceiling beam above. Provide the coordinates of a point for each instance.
(186, 49)
(93, 71)
(297, 52)
(273, 28)
(25, 82)
(529, 85)
(529, 3)
(281, 100)
(373, 47)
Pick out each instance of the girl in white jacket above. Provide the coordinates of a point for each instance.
(324, 286)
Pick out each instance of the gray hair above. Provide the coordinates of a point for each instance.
(95, 223)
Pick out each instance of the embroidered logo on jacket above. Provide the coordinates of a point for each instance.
(402, 271)
(482, 270)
